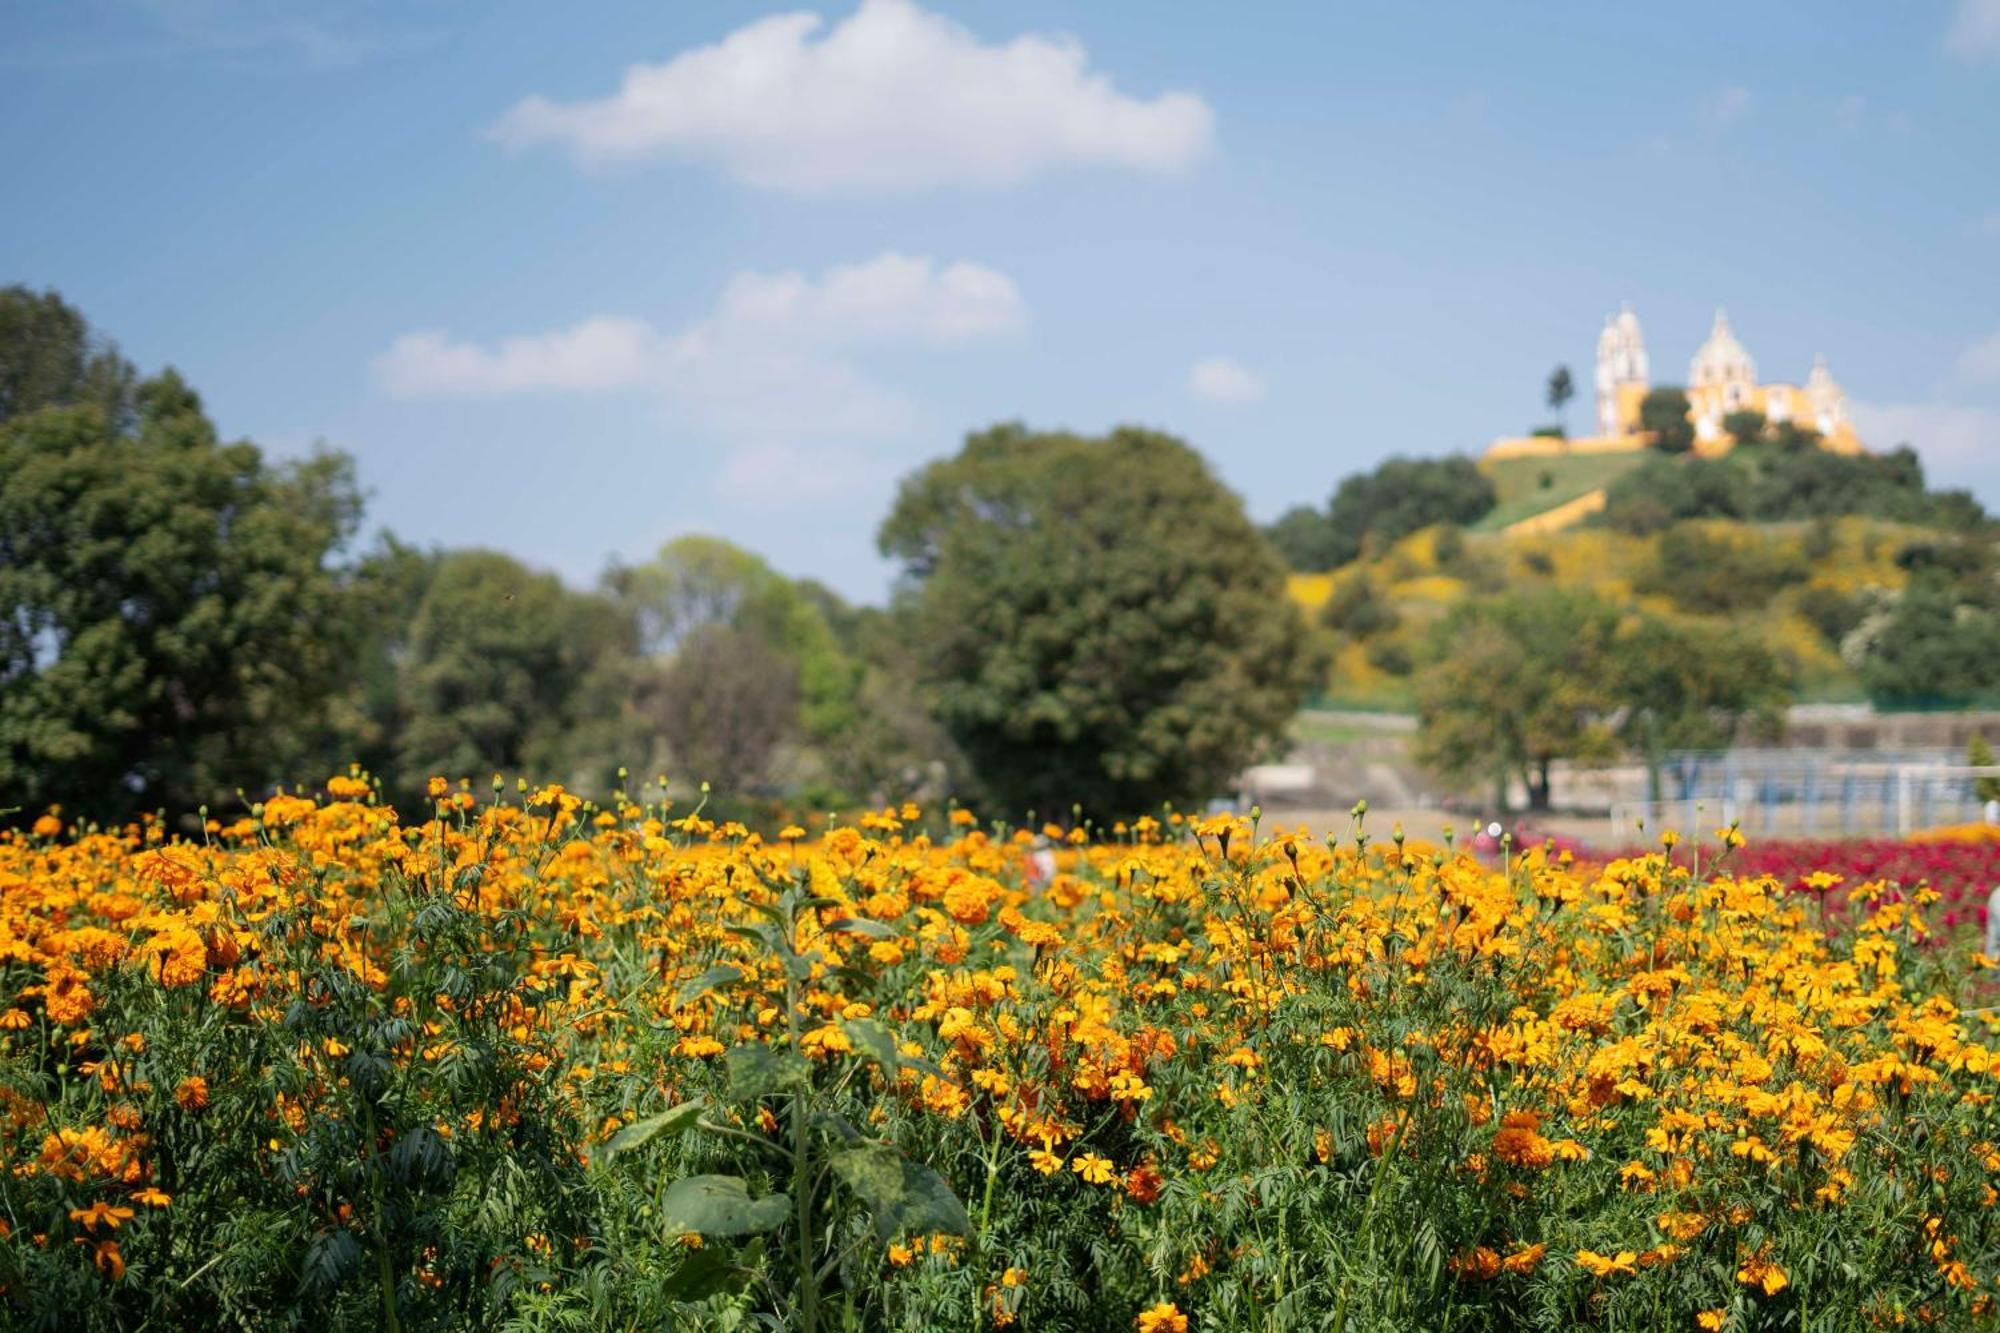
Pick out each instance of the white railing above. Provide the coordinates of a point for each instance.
(1892, 799)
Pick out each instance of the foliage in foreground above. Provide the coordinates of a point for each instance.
(534, 1065)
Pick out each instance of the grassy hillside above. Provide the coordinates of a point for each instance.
(1388, 603)
(1528, 486)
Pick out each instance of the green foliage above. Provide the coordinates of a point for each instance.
(1713, 571)
(1515, 682)
(497, 670)
(1562, 388)
(1745, 427)
(1406, 495)
(1664, 412)
(170, 627)
(1937, 642)
(1307, 541)
(1357, 606)
(1097, 620)
(1773, 482)
(1663, 491)
(1694, 686)
(49, 357)
(1399, 497)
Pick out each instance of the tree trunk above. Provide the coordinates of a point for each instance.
(1538, 786)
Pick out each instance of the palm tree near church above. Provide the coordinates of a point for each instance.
(1562, 388)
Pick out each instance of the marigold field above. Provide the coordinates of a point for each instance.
(534, 1064)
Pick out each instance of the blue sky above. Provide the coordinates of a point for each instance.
(572, 312)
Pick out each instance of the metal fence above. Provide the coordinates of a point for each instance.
(1793, 795)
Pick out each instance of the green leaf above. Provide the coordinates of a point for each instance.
(758, 1071)
(873, 1041)
(708, 1271)
(676, 1120)
(861, 925)
(714, 978)
(904, 1196)
(720, 1206)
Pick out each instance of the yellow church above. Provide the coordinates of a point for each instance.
(1721, 380)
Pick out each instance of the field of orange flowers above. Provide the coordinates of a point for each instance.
(532, 1064)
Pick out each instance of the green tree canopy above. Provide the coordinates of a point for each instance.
(1690, 685)
(172, 626)
(1098, 621)
(1306, 539)
(1937, 642)
(503, 670)
(1717, 569)
(699, 582)
(1561, 388)
(1664, 412)
(1516, 682)
(50, 357)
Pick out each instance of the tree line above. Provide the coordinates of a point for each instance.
(186, 622)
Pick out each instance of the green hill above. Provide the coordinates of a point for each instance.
(1529, 486)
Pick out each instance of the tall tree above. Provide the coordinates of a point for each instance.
(503, 669)
(171, 628)
(1562, 388)
(1515, 683)
(1664, 412)
(724, 704)
(698, 583)
(1099, 623)
(1404, 495)
(50, 357)
(1307, 540)
(1692, 686)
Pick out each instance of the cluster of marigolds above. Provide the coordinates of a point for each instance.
(1214, 1075)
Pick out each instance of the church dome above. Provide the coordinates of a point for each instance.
(1722, 359)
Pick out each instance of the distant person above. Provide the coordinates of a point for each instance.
(1993, 925)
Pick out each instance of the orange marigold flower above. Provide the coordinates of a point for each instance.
(1166, 1317)
(191, 1093)
(101, 1214)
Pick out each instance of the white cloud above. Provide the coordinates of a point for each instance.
(891, 296)
(607, 352)
(1975, 31)
(1221, 380)
(1980, 363)
(1724, 108)
(771, 359)
(893, 97)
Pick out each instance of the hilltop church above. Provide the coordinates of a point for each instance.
(1722, 379)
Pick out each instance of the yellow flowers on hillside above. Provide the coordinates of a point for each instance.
(626, 1064)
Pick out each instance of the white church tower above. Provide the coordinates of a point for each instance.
(1621, 360)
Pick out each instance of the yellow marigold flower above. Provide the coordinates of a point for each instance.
(1711, 1321)
(152, 1197)
(1095, 1170)
(1757, 1271)
(1624, 1263)
(1166, 1317)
